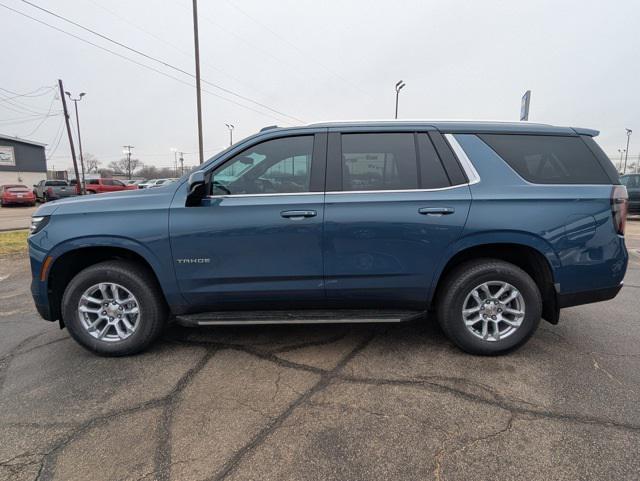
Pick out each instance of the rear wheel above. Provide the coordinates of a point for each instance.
(114, 308)
(489, 306)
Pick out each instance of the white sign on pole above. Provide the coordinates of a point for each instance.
(524, 105)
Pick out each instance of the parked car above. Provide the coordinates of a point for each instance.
(98, 186)
(135, 182)
(16, 194)
(156, 183)
(47, 190)
(632, 183)
(489, 227)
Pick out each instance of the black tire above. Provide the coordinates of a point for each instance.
(465, 278)
(141, 283)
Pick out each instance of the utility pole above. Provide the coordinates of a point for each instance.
(175, 160)
(181, 164)
(196, 44)
(399, 86)
(230, 127)
(128, 154)
(75, 102)
(73, 150)
(626, 154)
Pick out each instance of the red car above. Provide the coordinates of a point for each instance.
(16, 194)
(97, 186)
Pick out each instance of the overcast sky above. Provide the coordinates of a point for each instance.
(316, 60)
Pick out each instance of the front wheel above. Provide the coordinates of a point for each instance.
(114, 308)
(489, 307)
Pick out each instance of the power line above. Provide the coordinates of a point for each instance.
(135, 62)
(28, 94)
(304, 54)
(53, 99)
(160, 61)
(173, 46)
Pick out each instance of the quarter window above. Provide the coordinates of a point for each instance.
(547, 159)
(279, 166)
(379, 162)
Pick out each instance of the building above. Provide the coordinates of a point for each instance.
(21, 161)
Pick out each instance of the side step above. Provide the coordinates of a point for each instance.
(226, 318)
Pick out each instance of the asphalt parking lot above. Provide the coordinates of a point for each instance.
(341, 402)
(15, 217)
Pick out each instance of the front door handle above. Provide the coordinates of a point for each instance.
(436, 211)
(298, 214)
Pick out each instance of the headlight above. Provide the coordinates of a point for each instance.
(38, 223)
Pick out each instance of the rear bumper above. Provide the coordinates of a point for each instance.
(588, 297)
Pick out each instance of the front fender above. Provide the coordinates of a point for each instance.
(163, 270)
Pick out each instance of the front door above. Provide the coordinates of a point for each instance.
(255, 241)
(392, 209)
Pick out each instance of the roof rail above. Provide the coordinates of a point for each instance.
(268, 127)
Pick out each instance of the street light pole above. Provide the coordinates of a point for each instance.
(82, 181)
(230, 127)
(399, 86)
(626, 155)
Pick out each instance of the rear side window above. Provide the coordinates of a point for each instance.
(379, 162)
(432, 173)
(547, 159)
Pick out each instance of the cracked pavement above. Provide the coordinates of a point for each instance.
(359, 402)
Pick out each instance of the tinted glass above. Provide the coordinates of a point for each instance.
(631, 181)
(279, 166)
(546, 159)
(379, 162)
(94, 182)
(55, 183)
(432, 173)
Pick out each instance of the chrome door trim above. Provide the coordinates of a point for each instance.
(467, 165)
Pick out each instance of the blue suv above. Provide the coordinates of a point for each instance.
(486, 226)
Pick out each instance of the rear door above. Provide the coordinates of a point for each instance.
(392, 208)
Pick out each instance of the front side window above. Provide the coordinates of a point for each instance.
(279, 166)
(379, 162)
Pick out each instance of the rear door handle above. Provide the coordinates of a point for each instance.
(436, 211)
(298, 214)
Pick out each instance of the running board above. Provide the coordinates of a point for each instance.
(230, 318)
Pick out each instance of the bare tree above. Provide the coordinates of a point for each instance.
(91, 163)
(125, 166)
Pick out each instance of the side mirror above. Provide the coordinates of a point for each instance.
(197, 188)
(196, 179)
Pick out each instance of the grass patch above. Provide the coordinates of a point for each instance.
(13, 242)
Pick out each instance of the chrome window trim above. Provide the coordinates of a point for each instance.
(467, 165)
(449, 187)
(222, 196)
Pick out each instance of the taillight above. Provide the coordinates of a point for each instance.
(50, 191)
(619, 207)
